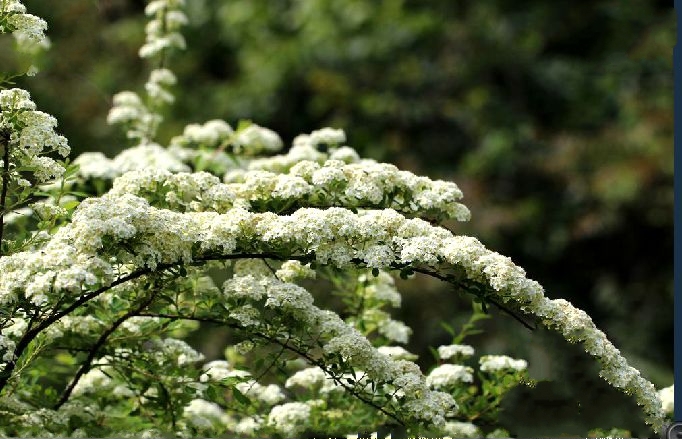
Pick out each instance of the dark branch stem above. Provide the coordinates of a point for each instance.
(501, 307)
(87, 364)
(4, 143)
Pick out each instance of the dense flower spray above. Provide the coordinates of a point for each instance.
(222, 228)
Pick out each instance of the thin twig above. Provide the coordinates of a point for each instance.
(4, 143)
(87, 364)
(488, 299)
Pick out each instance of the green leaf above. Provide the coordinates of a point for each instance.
(243, 124)
(240, 397)
(70, 205)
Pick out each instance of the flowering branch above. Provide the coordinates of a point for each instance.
(33, 332)
(321, 364)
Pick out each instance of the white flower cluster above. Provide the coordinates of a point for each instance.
(216, 370)
(129, 110)
(291, 271)
(32, 136)
(315, 379)
(7, 346)
(493, 363)
(309, 378)
(334, 236)
(367, 185)
(84, 326)
(175, 350)
(289, 419)
(397, 352)
(455, 350)
(380, 288)
(667, 396)
(143, 118)
(211, 134)
(448, 375)
(395, 330)
(251, 140)
(456, 429)
(167, 18)
(158, 84)
(27, 29)
(146, 156)
(270, 394)
(411, 194)
(255, 139)
(577, 326)
(305, 147)
(92, 381)
(296, 304)
(204, 414)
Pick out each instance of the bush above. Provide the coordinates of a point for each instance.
(108, 265)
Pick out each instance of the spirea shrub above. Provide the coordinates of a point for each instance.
(107, 264)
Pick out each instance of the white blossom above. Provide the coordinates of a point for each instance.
(667, 396)
(397, 352)
(461, 430)
(204, 414)
(491, 363)
(455, 350)
(270, 394)
(449, 375)
(289, 419)
(309, 378)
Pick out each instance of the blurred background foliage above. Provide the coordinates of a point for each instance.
(555, 118)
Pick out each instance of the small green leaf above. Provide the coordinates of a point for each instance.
(240, 397)
(69, 205)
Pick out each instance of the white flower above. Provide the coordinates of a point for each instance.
(397, 352)
(270, 394)
(204, 414)
(667, 396)
(91, 382)
(395, 330)
(294, 270)
(255, 137)
(289, 419)
(308, 378)
(157, 86)
(248, 425)
(455, 350)
(211, 134)
(217, 370)
(28, 31)
(449, 375)
(95, 165)
(461, 429)
(490, 363)
(329, 136)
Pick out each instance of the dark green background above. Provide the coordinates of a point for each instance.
(554, 117)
